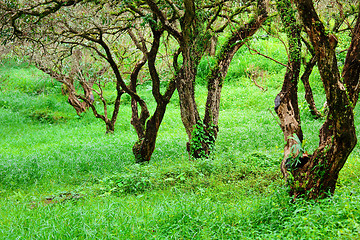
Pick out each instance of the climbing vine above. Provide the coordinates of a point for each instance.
(202, 140)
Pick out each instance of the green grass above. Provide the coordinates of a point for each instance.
(62, 177)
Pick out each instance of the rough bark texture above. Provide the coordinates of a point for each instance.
(186, 90)
(193, 45)
(318, 177)
(211, 48)
(286, 102)
(69, 89)
(215, 80)
(75, 102)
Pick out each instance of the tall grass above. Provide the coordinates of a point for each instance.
(62, 177)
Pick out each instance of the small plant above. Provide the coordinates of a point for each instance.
(136, 181)
(297, 153)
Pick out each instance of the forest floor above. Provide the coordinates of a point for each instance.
(62, 177)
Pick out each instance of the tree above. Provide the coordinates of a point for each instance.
(309, 66)
(286, 102)
(193, 25)
(91, 81)
(99, 28)
(318, 174)
(338, 19)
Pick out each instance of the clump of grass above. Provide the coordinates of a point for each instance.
(199, 176)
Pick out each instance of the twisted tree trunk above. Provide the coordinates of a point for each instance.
(286, 102)
(147, 128)
(318, 176)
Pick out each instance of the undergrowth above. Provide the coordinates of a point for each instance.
(62, 177)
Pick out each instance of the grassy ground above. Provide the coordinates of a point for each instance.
(61, 177)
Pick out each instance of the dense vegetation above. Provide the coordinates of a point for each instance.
(61, 177)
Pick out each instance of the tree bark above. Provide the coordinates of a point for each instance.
(215, 80)
(286, 102)
(192, 45)
(70, 91)
(186, 89)
(145, 146)
(146, 128)
(309, 97)
(318, 176)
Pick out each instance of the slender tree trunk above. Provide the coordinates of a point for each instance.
(146, 128)
(309, 97)
(145, 146)
(204, 136)
(318, 177)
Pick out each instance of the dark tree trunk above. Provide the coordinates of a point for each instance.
(309, 97)
(286, 102)
(110, 128)
(147, 129)
(318, 177)
(145, 146)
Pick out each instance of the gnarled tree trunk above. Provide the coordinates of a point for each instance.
(146, 128)
(286, 102)
(79, 105)
(318, 177)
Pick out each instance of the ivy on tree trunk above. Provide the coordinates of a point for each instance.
(286, 102)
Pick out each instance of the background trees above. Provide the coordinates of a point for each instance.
(193, 25)
(105, 31)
